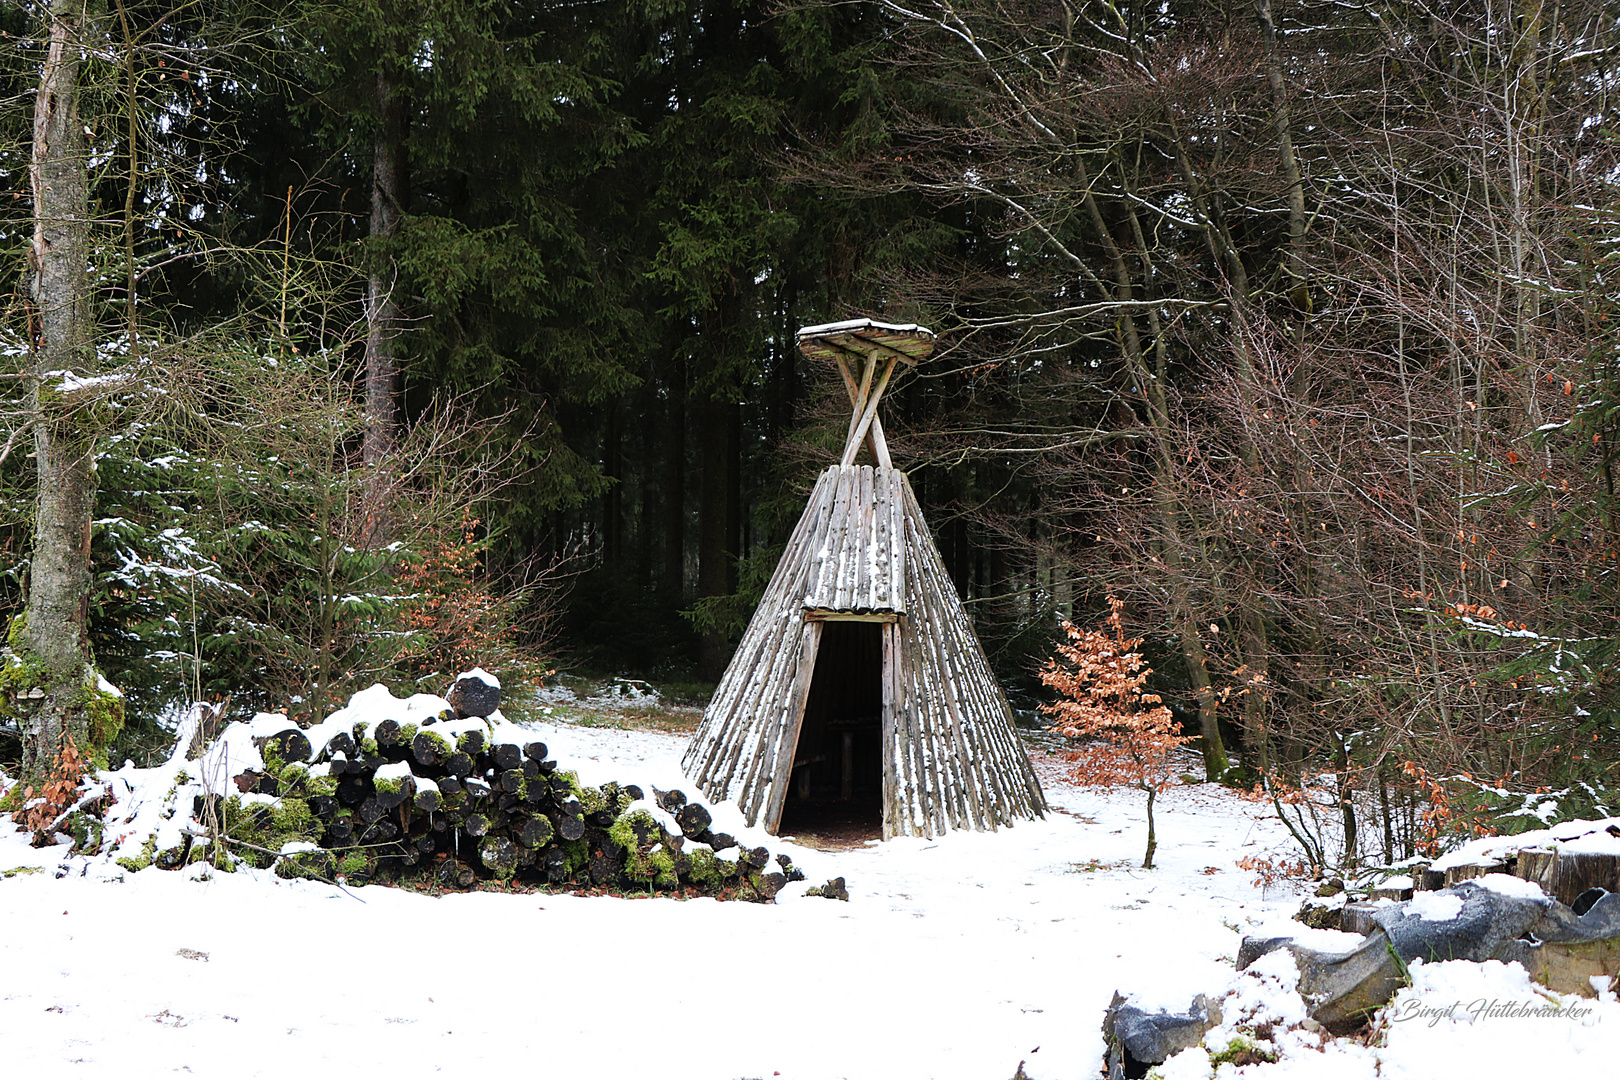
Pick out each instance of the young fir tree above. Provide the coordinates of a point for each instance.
(1129, 731)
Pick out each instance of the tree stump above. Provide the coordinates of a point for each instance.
(1357, 918)
(1565, 875)
(1469, 871)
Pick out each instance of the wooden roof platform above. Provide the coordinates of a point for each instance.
(858, 347)
(862, 337)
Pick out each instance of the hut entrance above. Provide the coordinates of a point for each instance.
(836, 790)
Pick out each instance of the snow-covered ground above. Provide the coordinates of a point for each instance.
(954, 958)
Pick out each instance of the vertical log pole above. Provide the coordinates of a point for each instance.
(810, 645)
(869, 413)
(892, 702)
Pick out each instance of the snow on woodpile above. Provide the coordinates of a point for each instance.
(1577, 837)
(1565, 860)
(391, 789)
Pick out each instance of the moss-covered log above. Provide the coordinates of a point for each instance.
(694, 818)
(283, 748)
(427, 798)
(536, 832)
(570, 826)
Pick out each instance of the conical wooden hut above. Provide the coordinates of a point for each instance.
(859, 680)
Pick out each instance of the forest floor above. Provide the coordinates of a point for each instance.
(959, 957)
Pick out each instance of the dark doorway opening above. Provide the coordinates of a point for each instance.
(836, 791)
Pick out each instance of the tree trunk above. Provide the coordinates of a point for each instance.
(1153, 839)
(1293, 265)
(960, 559)
(738, 544)
(1216, 762)
(1168, 505)
(1257, 688)
(714, 560)
(613, 497)
(383, 315)
(674, 493)
(52, 642)
(1351, 855)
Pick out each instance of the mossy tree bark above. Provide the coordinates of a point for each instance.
(51, 645)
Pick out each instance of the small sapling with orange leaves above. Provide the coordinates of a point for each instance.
(1128, 733)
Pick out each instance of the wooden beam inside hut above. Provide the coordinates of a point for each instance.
(852, 616)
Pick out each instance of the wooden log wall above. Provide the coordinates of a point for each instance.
(857, 560)
(954, 728)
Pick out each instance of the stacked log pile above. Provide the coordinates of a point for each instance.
(439, 801)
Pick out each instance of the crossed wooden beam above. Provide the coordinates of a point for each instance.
(863, 345)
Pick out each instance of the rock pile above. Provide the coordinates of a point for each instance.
(1493, 918)
(1547, 900)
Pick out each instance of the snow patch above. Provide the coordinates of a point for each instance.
(1433, 906)
(1508, 885)
(1580, 835)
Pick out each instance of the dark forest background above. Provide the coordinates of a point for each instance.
(467, 328)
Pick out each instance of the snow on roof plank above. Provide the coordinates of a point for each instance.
(912, 342)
